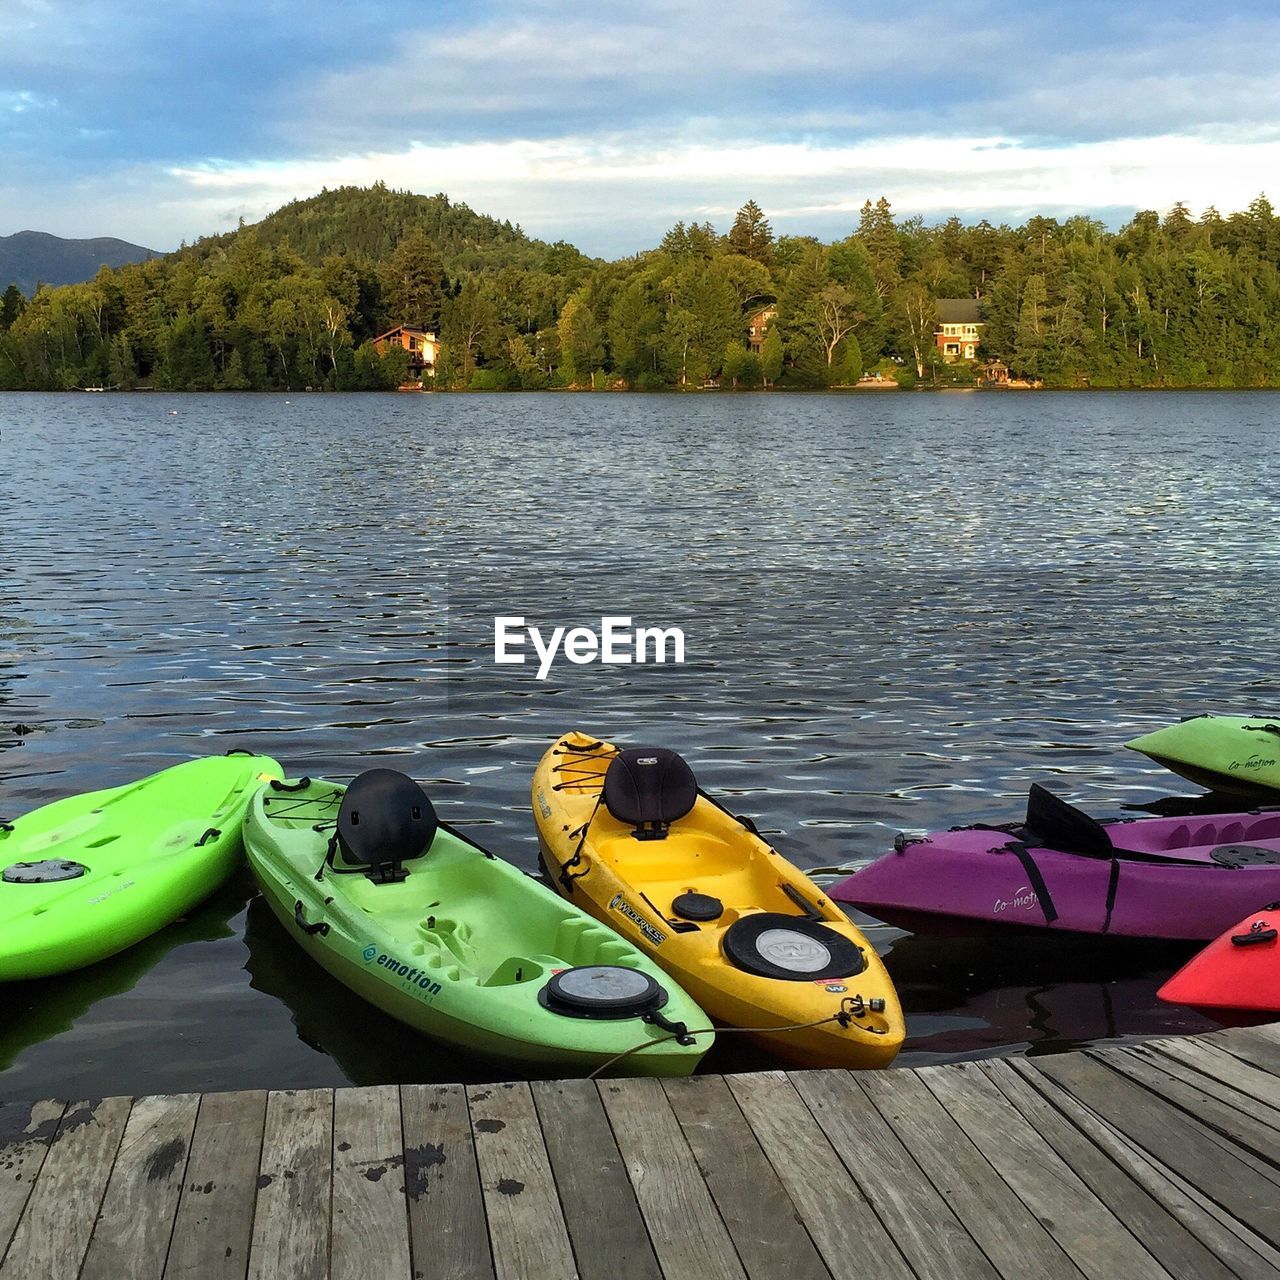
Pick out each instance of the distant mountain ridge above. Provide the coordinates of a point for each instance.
(28, 258)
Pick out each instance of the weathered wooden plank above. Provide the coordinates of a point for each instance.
(1245, 1124)
(930, 1236)
(449, 1236)
(1245, 1252)
(25, 1135)
(688, 1234)
(295, 1177)
(1220, 1066)
(526, 1227)
(1249, 1046)
(53, 1233)
(1173, 1138)
(766, 1230)
(370, 1213)
(838, 1217)
(1010, 1235)
(1084, 1227)
(136, 1221)
(1167, 1240)
(600, 1210)
(214, 1223)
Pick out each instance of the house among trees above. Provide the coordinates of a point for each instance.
(757, 324)
(423, 348)
(959, 328)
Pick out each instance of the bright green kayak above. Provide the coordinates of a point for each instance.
(88, 876)
(1240, 754)
(454, 942)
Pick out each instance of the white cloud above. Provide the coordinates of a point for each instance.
(619, 194)
(20, 101)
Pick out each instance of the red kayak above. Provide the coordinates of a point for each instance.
(1240, 970)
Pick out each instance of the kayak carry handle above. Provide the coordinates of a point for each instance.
(1259, 932)
(237, 751)
(301, 920)
(211, 834)
(301, 785)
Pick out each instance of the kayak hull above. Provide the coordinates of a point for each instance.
(977, 880)
(151, 850)
(1239, 755)
(1238, 972)
(709, 852)
(461, 949)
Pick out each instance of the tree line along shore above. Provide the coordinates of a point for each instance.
(298, 300)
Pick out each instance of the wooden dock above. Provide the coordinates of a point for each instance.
(1156, 1160)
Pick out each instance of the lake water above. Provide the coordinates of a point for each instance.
(899, 610)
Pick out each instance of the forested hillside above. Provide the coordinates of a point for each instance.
(293, 302)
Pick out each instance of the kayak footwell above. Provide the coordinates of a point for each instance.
(760, 1174)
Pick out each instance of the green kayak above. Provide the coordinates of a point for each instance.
(88, 876)
(1240, 754)
(466, 948)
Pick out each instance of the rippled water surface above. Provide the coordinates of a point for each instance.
(900, 610)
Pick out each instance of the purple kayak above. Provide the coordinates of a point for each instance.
(1174, 878)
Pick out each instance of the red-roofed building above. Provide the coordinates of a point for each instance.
(423, 347)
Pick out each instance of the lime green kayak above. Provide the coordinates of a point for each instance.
(1239, 754)
(88, 876)
(466, 948)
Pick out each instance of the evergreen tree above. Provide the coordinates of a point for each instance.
(751, 236)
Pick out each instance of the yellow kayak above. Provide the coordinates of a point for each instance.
(629, 837)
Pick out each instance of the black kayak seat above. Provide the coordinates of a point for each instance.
(1055, 824)
(649, 788)
(385, 820)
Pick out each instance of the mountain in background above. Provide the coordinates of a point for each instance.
(29, 258)
(368, 222)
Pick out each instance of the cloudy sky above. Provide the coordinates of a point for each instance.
(603, 123)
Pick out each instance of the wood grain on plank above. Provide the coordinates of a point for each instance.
(1165, 1237)
(762, 1220)
(837, 1214)
(370, 1213)
(25, 1135)
(688, 1234)
(1249, 1044)
(1010, 1235)
(449, 1234)
(1171, 1137)
(526, 1226)
(930, 1236)
(600, 1210)
(1222, 1069)
(1245, 1125)
(291, 1218)
(132, 1234)
(214, 1224)
(53, 1233)
(1240, 1248)
(1086, 1229)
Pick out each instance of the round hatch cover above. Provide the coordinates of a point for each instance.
(602, 991)
(794, 948)
(48, 872)
(791, 950)
(697, 906)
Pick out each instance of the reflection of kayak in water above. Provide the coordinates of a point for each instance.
(967, 996)
(44, 1008)
(369, 1046)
